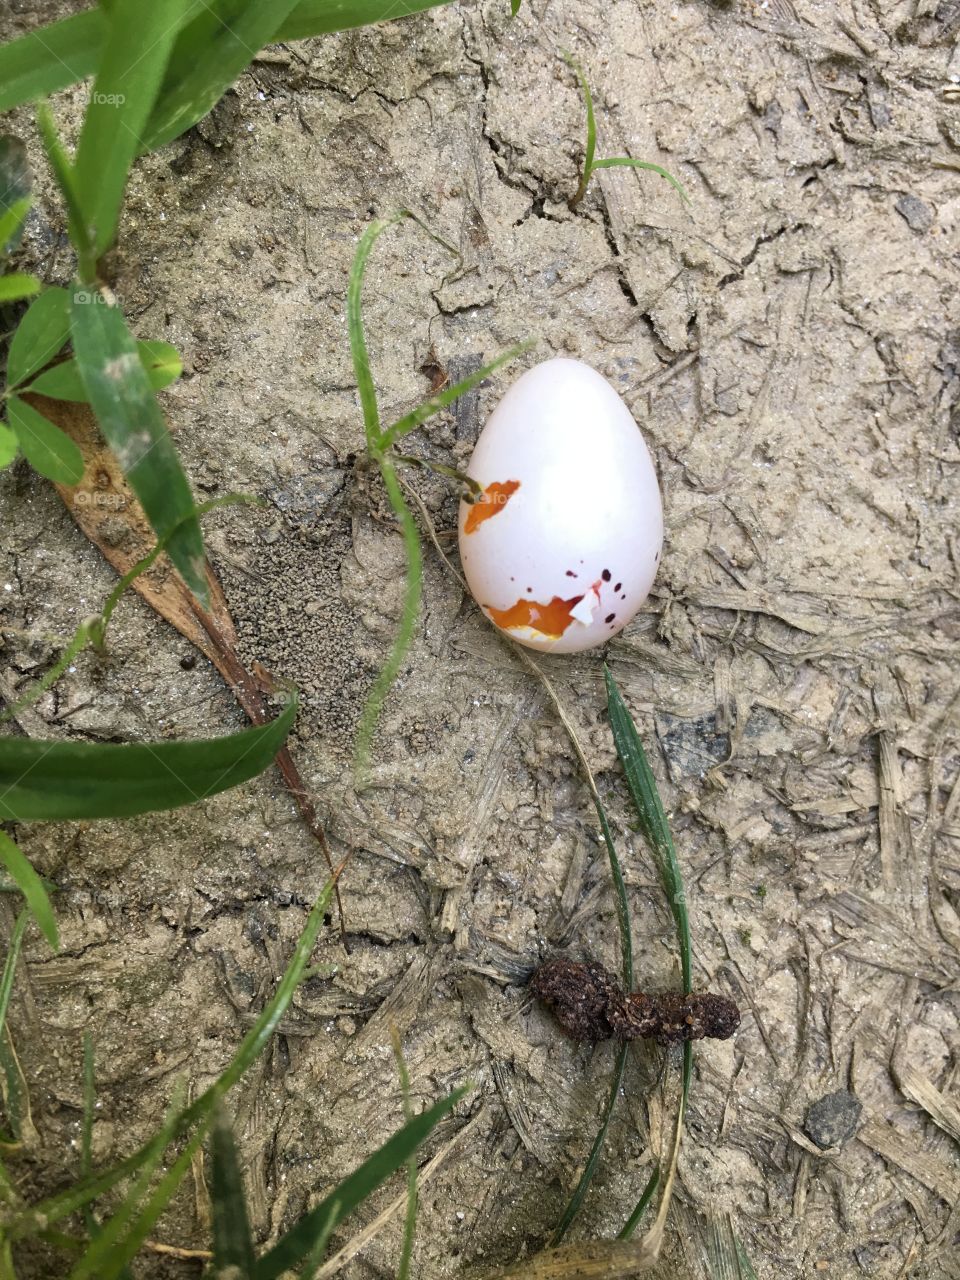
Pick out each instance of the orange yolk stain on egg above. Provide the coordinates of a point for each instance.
(492, 501)
(549, 619)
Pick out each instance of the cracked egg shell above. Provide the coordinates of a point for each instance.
(562, 547)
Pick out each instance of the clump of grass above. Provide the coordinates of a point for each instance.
(381, 447)
(591, 164)
(155, 1172)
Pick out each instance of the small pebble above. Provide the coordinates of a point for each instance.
(918, 216)
(833, 1119)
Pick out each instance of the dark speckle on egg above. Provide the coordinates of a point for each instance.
(571, 574)
(606, 575)
(610, 617)
(618, 586)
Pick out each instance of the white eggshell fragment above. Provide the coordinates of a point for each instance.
(562, 548)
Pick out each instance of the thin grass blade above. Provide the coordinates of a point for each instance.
(52, 57)
(440, 401)
(8, 1065)
(591, 144)
(15, 184)
(653, 820)
(10, 964)
(208, 62)
(232, 1241)
(135, 55)
(631, 1224)
(31, 886)
(317, 17)
(84, 1191)
(103, 1249)
(298, 1242)
(316, 1255)
(61, 53)
(58, 781)
(120, 394)
(358, 342)
(16, 1094)
(65, 175)
(628, 162)
(575, 1202)
(410, 1218)
(408, 619)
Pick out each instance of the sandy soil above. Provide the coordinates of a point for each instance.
(791, 348)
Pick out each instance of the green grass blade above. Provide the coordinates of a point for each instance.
(60, 54)
(63, 172)
(628, 162)
(113, 1264)
(104, 1246)
(358, 342)
(41, 333)
(10, 965)
(50, 58)
(48, 449)
(653, 821)
(15, 184)
(84, 1191)
(18, 285)
(12, 1083)
(591, 146)
(440, 401)
(317, 1253)
(298, 1242)
(208, 62)
(232, 1242)
(631, 1224)
(318, 17)
(16, 1095)
(266, 1024)
(410, 1218)
(135, 55)
(31, 886)
(119, 392)
(63, 382)
(8, 445)
(746, 1266)
(408, 618)
(589, 1169)
(57, 781)
(626, 949)
(89, 1105)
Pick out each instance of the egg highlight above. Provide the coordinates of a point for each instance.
(561, 548)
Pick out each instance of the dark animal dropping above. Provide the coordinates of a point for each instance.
(589, 1004)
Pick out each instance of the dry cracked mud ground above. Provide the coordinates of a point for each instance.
(790, 345)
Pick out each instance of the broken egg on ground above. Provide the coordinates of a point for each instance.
(561, 548)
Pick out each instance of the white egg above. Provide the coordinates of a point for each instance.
(562, 548)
